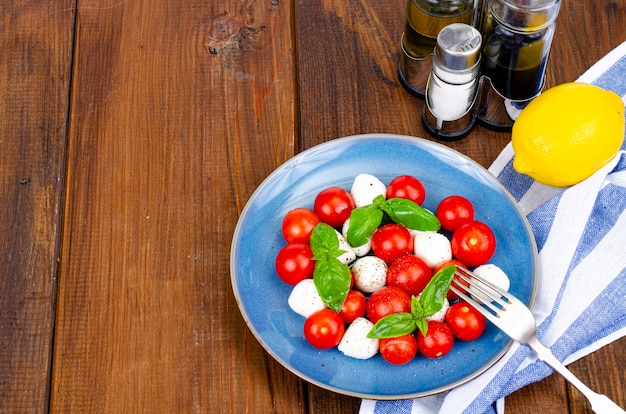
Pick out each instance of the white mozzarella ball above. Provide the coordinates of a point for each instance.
(355, 342)
(370, 273)
(360, 251)
(349, 255)
(432, 247)
(304, 298)
(494, 275)
(366, 188)
(441, 315)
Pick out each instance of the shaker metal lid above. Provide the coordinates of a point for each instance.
(458, 46)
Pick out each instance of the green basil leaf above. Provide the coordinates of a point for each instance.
(422, 325)
(434, 294)
(419, 316)
(324, 241)
(411, 215)
(379, 200)
(363, 221)
(392, 326)
(332, 280)
(416, 308)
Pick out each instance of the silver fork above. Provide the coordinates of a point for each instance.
(514, 319)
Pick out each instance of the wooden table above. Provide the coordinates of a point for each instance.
(132, 134)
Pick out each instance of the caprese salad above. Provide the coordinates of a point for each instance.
(371, 269)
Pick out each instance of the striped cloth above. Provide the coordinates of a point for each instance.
(581, 303)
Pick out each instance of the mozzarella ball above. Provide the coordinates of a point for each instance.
(492, 274)
(355, 342)
(360, 251)
(432, 247)
(366, 188)
(441, 315)
(304, 298)
(370, 273)
(349, 255)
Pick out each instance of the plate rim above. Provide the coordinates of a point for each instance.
(421, 142)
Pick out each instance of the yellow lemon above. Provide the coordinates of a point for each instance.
(567, 133)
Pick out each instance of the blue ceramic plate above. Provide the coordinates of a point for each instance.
(262, 296)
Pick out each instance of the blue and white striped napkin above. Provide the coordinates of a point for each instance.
(581, 303)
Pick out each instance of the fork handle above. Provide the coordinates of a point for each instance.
(599, 403)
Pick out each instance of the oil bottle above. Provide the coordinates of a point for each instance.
(424, 20)
(517, 35)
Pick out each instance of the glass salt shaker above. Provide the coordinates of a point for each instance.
(453, 81)
(517, 35)
(424, 20)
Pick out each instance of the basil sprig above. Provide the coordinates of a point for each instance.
(366, 219)
(429, 302)
(331, 277)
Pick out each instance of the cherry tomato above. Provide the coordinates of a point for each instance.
(451, 295)
(298, 225)
(408, 187)
(409, 273)
(353, 307)
(324, 329)
(400, 350)
(473, 243)
(438, 340)
(453, 211)
(391, 241)
(294, 263)
(465, 321)
(387, 300)
(333, 206)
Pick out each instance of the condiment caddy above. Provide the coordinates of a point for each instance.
(475, 61)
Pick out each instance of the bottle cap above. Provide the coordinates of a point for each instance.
(458, 47)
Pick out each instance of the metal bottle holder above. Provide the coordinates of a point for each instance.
(517, 35)
(451, 89)
(496, 112)
(413, 72)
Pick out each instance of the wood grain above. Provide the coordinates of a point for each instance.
(34, 100)
(171, 103)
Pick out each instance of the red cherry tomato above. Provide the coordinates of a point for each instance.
(465, 321)
(409, 273)
(400, 350)
(294, 263)
(333, 206)
(298, 225)
(391, 241)
(451, 295)
(324, 329)
(473, 243)
(437, 342)
(453, 211)
(408, 187)
(353, 307)
(387, 300)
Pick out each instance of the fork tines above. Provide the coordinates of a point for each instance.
(479, 292)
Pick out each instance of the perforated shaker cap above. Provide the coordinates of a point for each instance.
(458, 47)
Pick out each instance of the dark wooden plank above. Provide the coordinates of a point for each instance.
(35, 61)
(180, 109)
(347, 55)
(603, 372)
